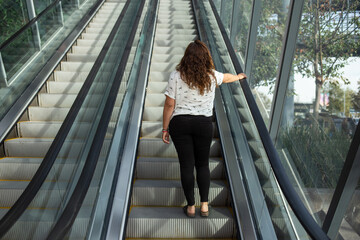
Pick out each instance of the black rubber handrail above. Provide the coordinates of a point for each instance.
(35, 184)
(28, 25)
(74, 204)
(303, 215)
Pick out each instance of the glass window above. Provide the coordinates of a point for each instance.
(13, 15)
(18, 52)
(270, 34)
(49, 23)
(241, 28)
(322, 108)
(217, 4)
(40, 5)
(226, 14)
(68, 7)
(351, 220)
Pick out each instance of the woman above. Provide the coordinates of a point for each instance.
(187, 118)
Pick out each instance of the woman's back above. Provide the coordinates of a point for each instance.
(189, 100)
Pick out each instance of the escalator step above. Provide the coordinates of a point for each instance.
(67, 100)
(170, 193)
(37, 147)
(168, 168)
(171, 222)
(156, 76)
(149, 147)
(153, 129)
(49, 196)
(63, 76)
(30, 223)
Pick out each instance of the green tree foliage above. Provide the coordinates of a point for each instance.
(268, 43)
(13, 16)
(328, 36)
(356, 99)
(316, 153)
(337, 98)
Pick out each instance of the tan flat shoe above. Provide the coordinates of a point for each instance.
(190, 215)
(205, 214)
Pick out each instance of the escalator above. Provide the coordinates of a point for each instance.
(147, 202)
(157, 194)
(44, 117)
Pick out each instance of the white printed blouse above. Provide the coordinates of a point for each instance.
(189, 101)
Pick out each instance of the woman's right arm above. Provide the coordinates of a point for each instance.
(168, 110)
(228, 77)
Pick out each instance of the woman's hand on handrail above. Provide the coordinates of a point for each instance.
(228, 77)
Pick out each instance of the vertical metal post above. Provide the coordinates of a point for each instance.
(344, 102)
(3, 80)
(349, 178)
(252, 35)
(35, 27)
(283, 75)
(78, 3)
(61, 13)
(235, 20)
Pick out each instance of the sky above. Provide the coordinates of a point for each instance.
(305, 87)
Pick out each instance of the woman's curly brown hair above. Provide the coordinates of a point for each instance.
(195, 67)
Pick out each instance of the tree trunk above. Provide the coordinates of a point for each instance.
(317, 99)
(317, 60)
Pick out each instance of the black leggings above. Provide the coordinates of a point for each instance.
(192, 136)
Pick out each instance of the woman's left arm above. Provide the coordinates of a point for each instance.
(167, 112)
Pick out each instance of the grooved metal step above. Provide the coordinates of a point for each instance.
(41, 129)
(168, 168)
(40, 229)
(169, 193)
(49, 196)
(150, 147)
(171, 222)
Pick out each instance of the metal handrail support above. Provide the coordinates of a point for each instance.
(111, 173)
(35, 28)
(35, 184)
(119, 210)
(73, 206)
(3, 82)
(241, 205)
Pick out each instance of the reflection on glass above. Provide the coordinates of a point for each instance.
(226, 18)
(24, 50)
(217, 4)
(241, 28)
(68, 7)
(322, 107)
(40, 5)
(267, 50)
(13, 15)
(18, 52)
(352, 217)
(50, 23)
